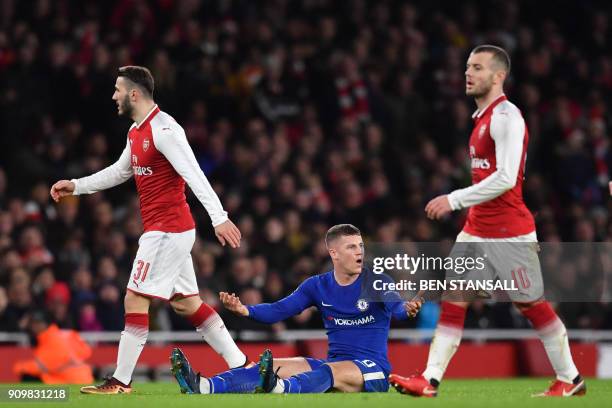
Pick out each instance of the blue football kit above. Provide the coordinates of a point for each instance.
(357, 320)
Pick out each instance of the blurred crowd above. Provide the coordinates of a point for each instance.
(303, 114)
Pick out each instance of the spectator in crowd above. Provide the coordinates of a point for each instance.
(57, 302)
(110, 307)
(59, 355)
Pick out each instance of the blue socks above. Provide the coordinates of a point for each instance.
(238, 380)
(319, 380)
(245, 380)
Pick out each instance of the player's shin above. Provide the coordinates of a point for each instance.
(236, 381)
(445, 342)
(316, 381)
(213, 330)
(133, 339)
(553, 334)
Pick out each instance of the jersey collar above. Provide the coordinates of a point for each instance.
(478, 113)
(149, 116)
(350, 284)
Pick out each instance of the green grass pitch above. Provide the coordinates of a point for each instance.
(453, 393)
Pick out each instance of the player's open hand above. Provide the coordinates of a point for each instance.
(233, 304)
(61, 189)
(438, 207)
(228, 233)
(413, 307)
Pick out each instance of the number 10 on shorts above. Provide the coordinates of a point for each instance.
(142, 268)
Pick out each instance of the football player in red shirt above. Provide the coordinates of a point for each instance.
(159, 157)
(498, 218)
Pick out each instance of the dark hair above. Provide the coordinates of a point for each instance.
(340, 230)
(139, 76)
(500, 55)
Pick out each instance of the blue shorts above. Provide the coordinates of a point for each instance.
(374, 378)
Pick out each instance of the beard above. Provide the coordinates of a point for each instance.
(125, 107)
(482, 90)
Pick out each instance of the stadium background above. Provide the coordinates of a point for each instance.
(302, 114)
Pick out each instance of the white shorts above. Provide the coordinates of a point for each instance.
(513, 259)
(465, 237)
(163, 267)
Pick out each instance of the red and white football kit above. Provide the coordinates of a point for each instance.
(499, 220)
(159, 157)
(498, 149)
(498, 217)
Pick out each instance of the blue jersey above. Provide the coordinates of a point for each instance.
(357, 328)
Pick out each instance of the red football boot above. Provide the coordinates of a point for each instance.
(562, 389)
(415, 385)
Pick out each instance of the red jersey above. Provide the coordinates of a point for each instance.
(159, 157)
(498, 149)
(161, 190)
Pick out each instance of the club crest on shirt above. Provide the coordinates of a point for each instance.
(145, 144)
(482, 130)
(362, 305)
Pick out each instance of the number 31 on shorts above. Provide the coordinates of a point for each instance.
(142, 268)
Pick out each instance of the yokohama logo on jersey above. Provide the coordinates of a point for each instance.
(354, 322)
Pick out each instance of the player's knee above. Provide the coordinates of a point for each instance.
(523, 306)
(459, 297)
(135, 303)
(178, 307)
(346, 379)
(337, 377)
(128, 301)
(186, 306)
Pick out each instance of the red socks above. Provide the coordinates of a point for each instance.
(137, 323)
(452, 317)
(201, 315)
(541, 316)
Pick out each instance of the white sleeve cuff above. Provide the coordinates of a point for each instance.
(453, 200)
(76, 186)
(219, 219)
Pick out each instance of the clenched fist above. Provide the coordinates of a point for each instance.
(61, 189)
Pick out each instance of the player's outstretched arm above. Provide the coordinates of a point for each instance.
(115, 174)
(270, 313)
(232, 303)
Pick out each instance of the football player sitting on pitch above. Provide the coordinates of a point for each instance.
(357, 332)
